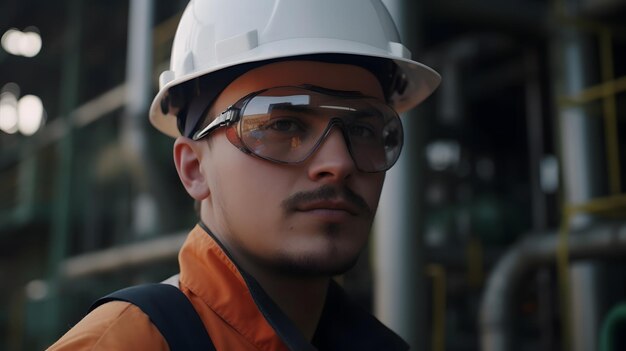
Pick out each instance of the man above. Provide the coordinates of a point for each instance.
(285, 115)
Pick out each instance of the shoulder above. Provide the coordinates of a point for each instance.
(115, 325)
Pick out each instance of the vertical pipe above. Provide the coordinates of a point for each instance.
(398, 272)
(65, 148)
(139, 61)
(545, 304)
(534, 118)
(585, 281)
(610, 112)
(438, 275)
(535, 139)
(394, 265)
(580, 137)
(27, 181)
(138, 89)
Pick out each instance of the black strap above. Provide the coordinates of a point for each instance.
(170, 311)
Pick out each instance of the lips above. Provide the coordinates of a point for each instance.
(331, 205)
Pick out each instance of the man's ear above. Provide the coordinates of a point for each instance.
(187, 158)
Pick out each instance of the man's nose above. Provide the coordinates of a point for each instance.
(332, 160)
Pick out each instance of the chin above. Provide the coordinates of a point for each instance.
(326, 262)
(332, 252)
(319, 252)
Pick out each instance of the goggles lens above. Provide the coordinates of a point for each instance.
(288, 124)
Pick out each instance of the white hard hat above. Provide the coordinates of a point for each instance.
(214, 35)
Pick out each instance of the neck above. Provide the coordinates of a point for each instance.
(301, 299)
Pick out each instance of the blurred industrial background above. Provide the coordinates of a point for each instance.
(503, 227)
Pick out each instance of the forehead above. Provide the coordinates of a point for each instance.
(294, 73)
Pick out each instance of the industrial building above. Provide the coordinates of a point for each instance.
(502, 227)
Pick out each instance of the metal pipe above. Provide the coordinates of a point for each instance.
(397, 267)
(139, 61)
(580, 141)
(615, 321)
(534, 118)
(438, 274)
(610, 113)
(60, 222)
(133, 136)
(600, 241)
(123, 257)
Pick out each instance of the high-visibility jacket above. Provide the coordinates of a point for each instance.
(236, 313)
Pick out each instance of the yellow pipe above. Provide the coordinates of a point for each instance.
(438, 275)
(594, 93)
(560, 10)
(563, 18)
(598, 205)
(578, 23)
(610, 112)
(164, 31)
(475, 272)
(612, 144)
(605, 91)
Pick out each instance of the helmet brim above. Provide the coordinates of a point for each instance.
(421, 80)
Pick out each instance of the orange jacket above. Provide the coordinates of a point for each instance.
(235, 311)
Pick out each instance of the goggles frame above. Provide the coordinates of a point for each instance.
(232, 115)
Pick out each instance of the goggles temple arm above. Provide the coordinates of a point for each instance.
(224, 119)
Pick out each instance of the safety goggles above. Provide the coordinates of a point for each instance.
(288, 124)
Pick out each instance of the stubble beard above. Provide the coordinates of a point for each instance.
(330, 262)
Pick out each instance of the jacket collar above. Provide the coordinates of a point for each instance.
(239, 299)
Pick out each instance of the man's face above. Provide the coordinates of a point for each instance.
(311, 218)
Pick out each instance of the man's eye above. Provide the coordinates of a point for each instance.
(361, 130)
(286, 125)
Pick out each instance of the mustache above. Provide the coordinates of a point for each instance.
(328, 193)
